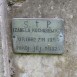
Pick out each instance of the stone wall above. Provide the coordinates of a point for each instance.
(1, 59)
(29, 65)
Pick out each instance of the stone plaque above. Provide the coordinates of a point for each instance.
(38, 35)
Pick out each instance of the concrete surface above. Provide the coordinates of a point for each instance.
(24, 65)
(1, 53)
(1, 60)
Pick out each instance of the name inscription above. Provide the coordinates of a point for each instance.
(38, 35)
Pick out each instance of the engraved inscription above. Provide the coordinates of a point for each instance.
(38, 35)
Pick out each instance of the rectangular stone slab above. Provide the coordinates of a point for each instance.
(38, 35)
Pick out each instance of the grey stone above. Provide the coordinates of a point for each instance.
(48, 65)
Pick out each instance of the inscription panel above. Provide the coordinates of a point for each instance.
(39, 35)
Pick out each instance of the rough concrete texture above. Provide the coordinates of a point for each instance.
(1, 64)
(1, 53)
(1, 61)
(48, 65)
(1, 57)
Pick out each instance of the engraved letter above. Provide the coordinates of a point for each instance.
(26, 23)
(37, 23)
(48, 23)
